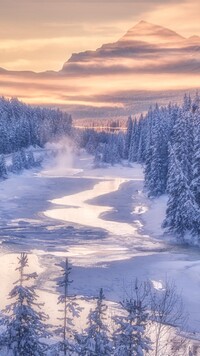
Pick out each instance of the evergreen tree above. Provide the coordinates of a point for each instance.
(133, 148)
(17, 165)
(181, 141)
(187, 102)
(157, 156)
(196, 103)
(95, 340)
(120, 142)
(23, 159)
(70, 310)
(195, 185)
(24, 324)
(142, 141)
(130, 336)
(30, 159)
(92, 143)
(182, 214)
(128, 137)
(3, 170)
(22, 125)
(98, 158)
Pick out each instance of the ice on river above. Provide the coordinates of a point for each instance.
(102, 221)
(78, 210)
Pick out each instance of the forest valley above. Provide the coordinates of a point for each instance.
(148, 321)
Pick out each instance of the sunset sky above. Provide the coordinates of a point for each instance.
(41, 35)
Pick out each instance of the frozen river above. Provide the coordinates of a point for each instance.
(102, 221)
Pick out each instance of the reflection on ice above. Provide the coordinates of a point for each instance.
(84, 256)
(79, 211)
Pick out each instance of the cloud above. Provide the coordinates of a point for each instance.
(183, 18)
(80, 25)
(106, 79)
(91, 79)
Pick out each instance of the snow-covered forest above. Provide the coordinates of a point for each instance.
(22, 125)
(149, 319)
(167, 142)
(142, 323)
(100, 178)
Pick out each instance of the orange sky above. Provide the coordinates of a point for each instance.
(42, 34)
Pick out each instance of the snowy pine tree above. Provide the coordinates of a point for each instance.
(195, 185)
(182, 141)
(30, 159)
(17, 165)
(157, 154)
(23, 159)
(3, 170)
(95, 340)
(134, 142)
(130, 337)
(25, 324)
(22, 125)
(182, 214)
(128, 137)
(70, 310)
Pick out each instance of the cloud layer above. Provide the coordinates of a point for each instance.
(42, 34)
(147, 58)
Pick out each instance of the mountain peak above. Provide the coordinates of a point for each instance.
(143, 23)
(147, 32)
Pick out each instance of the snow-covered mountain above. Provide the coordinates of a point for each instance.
(145, 48)
(149, 63)
(147, 32)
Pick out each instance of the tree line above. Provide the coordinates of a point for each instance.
(22, 126)
(167, 142)
(20, 160)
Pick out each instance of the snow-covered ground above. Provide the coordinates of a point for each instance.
(102, 221)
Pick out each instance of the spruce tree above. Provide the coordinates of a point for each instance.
(156, 178)
(182, 214)
(30, 159)
(181, 141)
(24, 325)
(17, 165)
(133, 148)
(95, 340)
(142, 141)
(130, 337)
(3, 170)
(128, 137)
(23, 159)
(70, 310)
(195, 185)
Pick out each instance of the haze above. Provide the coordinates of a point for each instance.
(41, 36)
